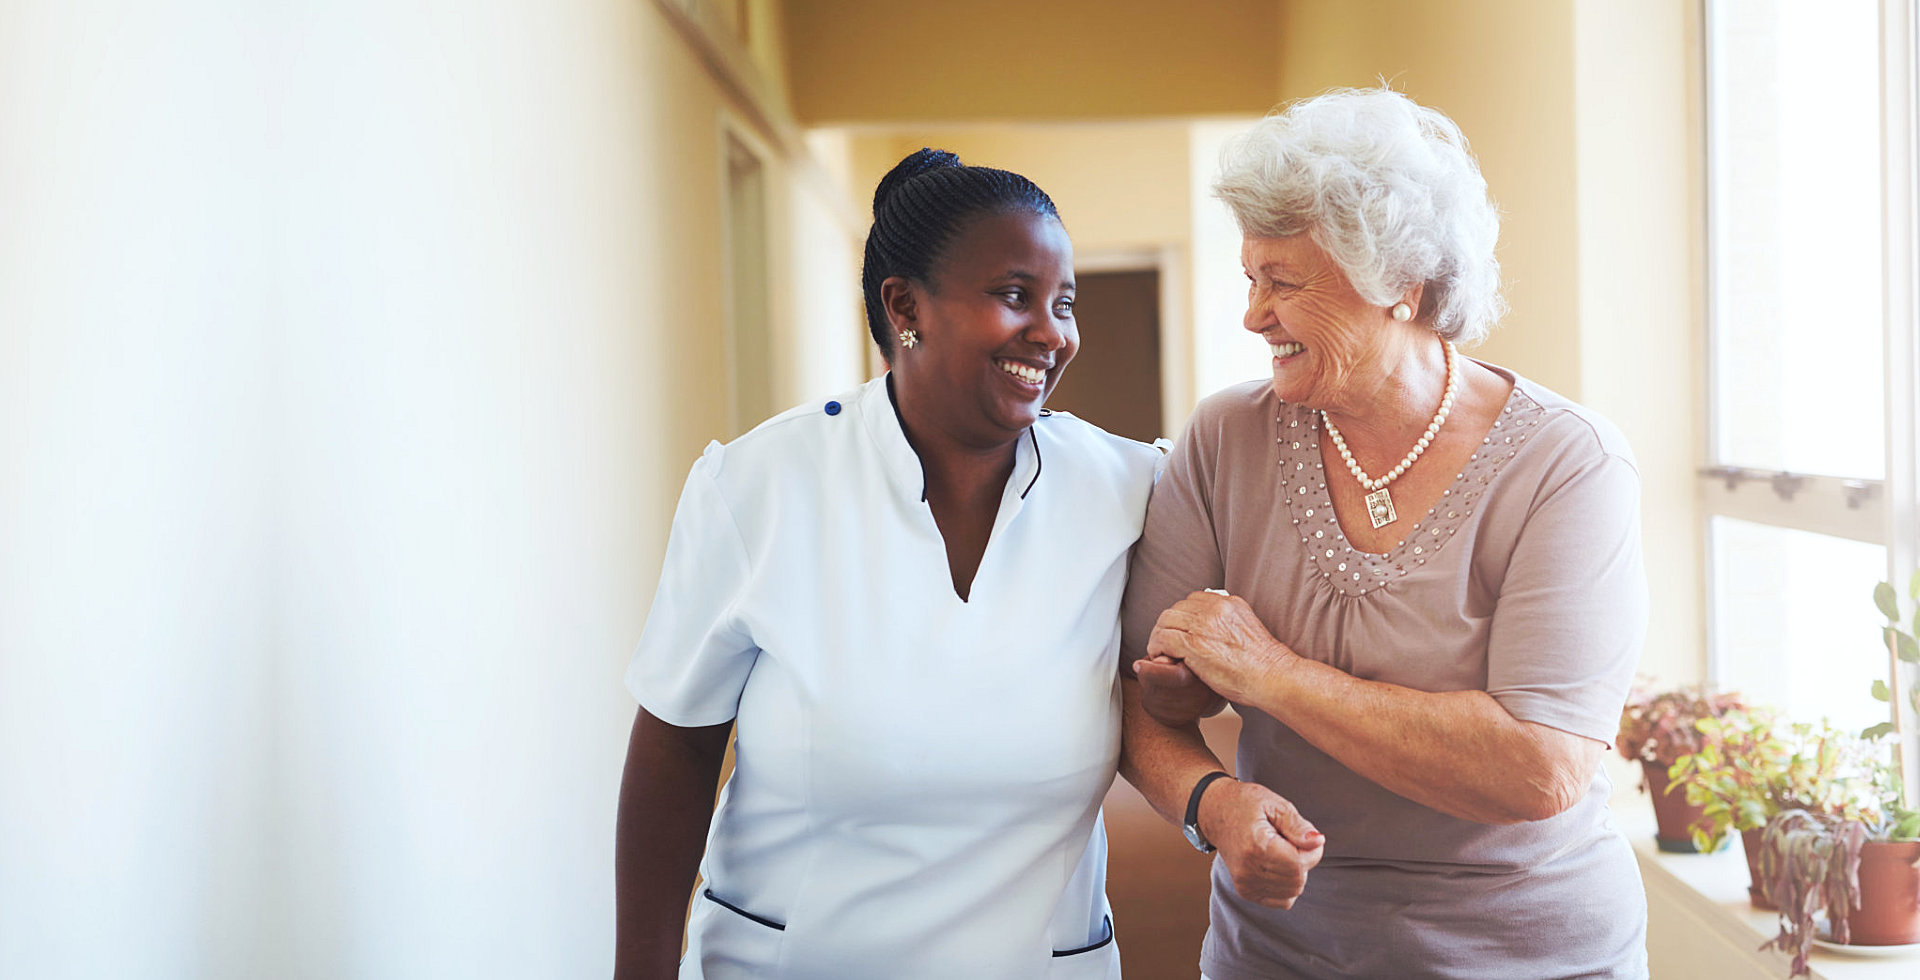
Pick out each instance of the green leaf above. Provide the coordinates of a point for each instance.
(1905, 647)
(1913, 586)
(1875, 731)
(1880, 692)
(1883, 597)
(1907, 829)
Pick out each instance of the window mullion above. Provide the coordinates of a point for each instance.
(1902, 279)
(1843, 508)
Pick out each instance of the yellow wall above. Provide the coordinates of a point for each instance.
(889, 61)
(1502, 69)
(1642, 281)
(1118, 185)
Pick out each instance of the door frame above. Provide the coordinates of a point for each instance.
(1168, 262)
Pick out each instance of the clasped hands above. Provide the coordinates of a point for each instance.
(1205, 647)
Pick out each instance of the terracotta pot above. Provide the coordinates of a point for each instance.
(1673, 815)
(1756, 897)
(1889, 913)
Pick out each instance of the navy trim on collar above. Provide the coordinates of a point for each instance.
(1038, 463)
(893, 401)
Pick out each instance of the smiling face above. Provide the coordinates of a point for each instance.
(1331, 348)
(996, 327)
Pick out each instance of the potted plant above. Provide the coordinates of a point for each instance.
(1888, 913)
(1743, 774)
(1655, 731)
(1889, 869)
(1841, 837)
(1854, 860)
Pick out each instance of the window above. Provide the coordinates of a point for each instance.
(1809, 489)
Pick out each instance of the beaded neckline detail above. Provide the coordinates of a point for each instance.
(1353, 572)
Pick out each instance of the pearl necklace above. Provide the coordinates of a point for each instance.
(1379, 501)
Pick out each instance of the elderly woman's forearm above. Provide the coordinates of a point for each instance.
(1458, 752)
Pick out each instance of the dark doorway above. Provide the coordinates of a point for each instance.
(1114, 381)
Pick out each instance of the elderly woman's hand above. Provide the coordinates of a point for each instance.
(1267, 845)
(1220, 639)
(1171, 693)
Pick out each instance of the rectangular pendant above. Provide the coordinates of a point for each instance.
(1380, 508)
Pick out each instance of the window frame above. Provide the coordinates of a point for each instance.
(1884, 512)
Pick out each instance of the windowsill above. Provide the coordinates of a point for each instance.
(1701, 899)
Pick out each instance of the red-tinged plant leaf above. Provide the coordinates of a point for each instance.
(1810, 863)
(1662, 728)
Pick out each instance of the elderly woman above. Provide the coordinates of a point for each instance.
(1416, 576)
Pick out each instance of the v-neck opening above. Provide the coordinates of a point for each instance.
(1013, 495)
(1309, 502)
(1028, 463)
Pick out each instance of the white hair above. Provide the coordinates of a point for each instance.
(1388, 188)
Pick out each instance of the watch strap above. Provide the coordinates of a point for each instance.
(1192, 824)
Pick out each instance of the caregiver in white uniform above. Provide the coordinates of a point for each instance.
(906, 600)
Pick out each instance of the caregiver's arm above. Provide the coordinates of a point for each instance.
(1267, 845)
(666, 803)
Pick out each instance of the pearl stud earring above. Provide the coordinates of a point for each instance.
(1402, 312)
(909, 339)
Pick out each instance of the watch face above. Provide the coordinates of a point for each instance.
(1194, 838)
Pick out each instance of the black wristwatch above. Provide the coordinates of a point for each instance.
(1192, 827)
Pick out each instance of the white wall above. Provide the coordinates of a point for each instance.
(468, 480)
(134, 574)
(505, 349)
(351, 358)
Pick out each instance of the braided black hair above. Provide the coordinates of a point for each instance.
(918, 209)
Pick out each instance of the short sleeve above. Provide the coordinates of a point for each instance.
(1572, 614)
(695, 653)
(1177, 553)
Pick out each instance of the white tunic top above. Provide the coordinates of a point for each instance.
(918, 779)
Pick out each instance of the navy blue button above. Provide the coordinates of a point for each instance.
(833, 408)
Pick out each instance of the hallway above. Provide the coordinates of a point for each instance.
(353, 356)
